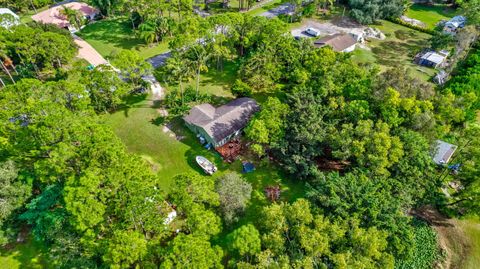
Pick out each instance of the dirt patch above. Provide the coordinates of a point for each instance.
(451, 238)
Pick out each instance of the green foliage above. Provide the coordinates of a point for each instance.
(14, 192)
(369, 11)
(293, 235)
(241, 89)
(425, 252)
(131, 65)
(125, 250)
(414, 27)
(234, 193)
(38, 50)
(268, 126)
(245, 241)
(179, 103)
(190, 251)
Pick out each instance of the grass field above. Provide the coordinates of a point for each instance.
(430, 15)
(397, 50)
(30, 254)
(110, 35)
(472, 231)
(143, 134)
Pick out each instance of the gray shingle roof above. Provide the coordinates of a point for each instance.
(443, 152)
(338, 42)
(225, 120)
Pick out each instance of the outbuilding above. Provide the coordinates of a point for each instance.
(432, 58)
(219, 125)
(443, 152)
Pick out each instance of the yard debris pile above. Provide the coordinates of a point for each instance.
(413, 22)
(273, 193)
(326, 164)
(374, 33)
(231, 150)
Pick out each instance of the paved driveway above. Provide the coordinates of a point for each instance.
(87, 52)
(282, 9)
(159, 60)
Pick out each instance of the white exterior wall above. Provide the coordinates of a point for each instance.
(349, 49)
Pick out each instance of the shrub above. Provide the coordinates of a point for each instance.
(241, 89)
(414, 27)
(175, 106)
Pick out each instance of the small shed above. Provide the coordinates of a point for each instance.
(338, 42)
(443, 152)
(8, 18)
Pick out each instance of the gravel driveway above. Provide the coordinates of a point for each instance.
(282, 9)
(328, 28)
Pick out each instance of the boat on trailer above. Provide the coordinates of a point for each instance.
(206, 165)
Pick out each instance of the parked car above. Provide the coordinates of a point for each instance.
(313, 32)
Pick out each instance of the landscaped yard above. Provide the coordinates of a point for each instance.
(397, 50)
(110, 35)
(173, 152)
(429, 14)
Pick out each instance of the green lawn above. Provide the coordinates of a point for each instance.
(30, 254)
(397, 50)
(267, 7)
(430, 15)
(142, 132)
(471, 229)
(110, 35)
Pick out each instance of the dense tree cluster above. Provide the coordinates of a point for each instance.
(368, 11)
(66, 176)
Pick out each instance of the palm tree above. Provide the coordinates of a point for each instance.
(73, 16)
(147, 32)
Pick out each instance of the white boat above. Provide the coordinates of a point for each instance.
(206, 165)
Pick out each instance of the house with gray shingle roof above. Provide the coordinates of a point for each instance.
(218, 125)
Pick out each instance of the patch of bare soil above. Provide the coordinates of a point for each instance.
(451, 238)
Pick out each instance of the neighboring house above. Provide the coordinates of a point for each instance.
(8, 18)
(443, 152)
(454, 24)
(338, 42)
(54, 15)
(219, 125)
(432, 58)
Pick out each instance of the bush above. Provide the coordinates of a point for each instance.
(425, 251)
(175, 106)
(414, 27)
(241, 89)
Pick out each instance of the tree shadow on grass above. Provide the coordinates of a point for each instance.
(116, 32)
(29, 254)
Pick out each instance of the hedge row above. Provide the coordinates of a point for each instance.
(414, 27)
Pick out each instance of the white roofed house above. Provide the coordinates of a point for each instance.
(454, 24)
(8, 18)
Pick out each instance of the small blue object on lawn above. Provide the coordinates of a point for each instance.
(208, 146)
(248, 167)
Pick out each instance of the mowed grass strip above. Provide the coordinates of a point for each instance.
(397, 50)
(430, 14)
(110, 35)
